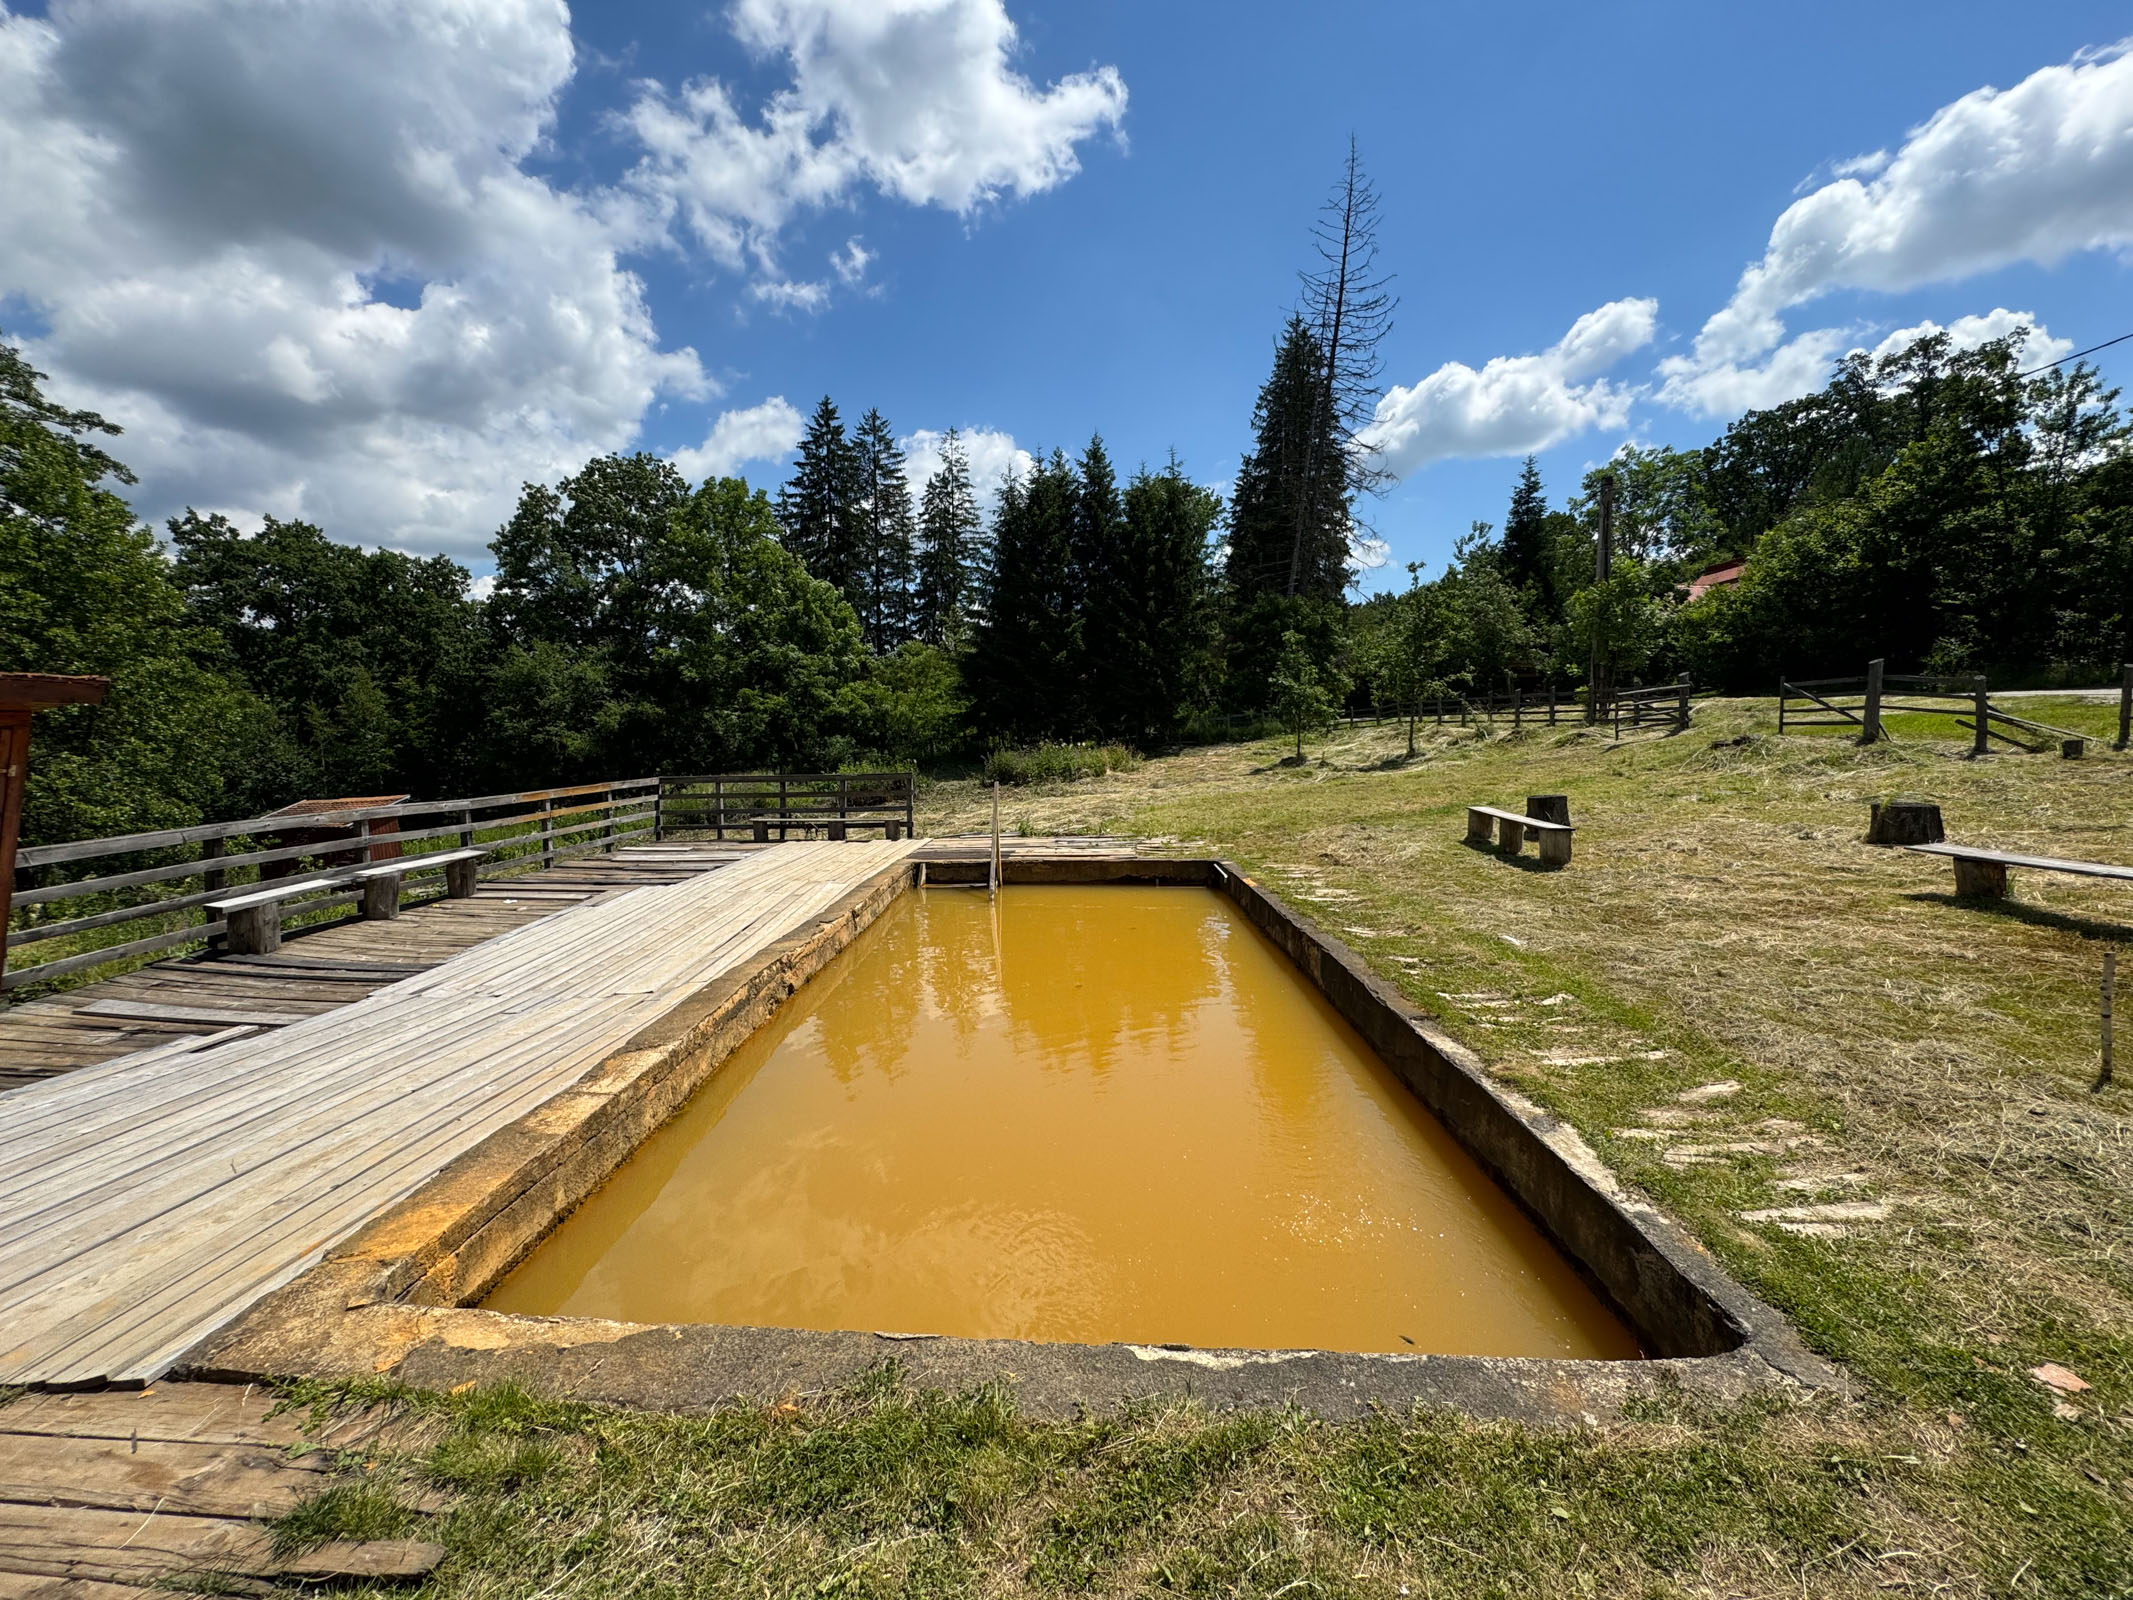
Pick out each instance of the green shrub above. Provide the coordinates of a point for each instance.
(1057, 763)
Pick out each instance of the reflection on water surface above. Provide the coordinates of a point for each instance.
(1083, 1114)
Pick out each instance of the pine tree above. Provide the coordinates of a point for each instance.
(1148, 628)
(1025, 664)
(817, 507)
(885, 531)
(1276, 486)
(1526, 558)
(949, 553)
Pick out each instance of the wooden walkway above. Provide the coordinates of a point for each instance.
(314, 971)
(102, 1495)
(146, 1200)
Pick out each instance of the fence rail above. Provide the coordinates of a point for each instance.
(142, 893)
(1828, 704)
(1664, 706)
(757, 803)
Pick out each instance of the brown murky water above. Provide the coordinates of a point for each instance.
(1084, 1114)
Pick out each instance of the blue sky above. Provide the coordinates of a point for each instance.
(386, 261)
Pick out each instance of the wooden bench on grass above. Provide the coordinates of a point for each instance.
(1982, 874)
(253, 918)
(1511, 829)
(837, 823)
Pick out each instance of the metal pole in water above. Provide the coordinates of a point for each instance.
(992, 883)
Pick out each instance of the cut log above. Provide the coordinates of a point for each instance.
(1549, 807)
(1905, 822)
(1981, 880)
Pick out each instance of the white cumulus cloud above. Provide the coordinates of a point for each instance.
(917, 98)
(992, 455)
(2039, 347)
(296, 249)
(766, 432)
(2033, 173)
(1515, 404)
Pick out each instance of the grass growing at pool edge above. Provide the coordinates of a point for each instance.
(886, 1490)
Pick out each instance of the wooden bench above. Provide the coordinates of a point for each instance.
(1511, 831)
(836, 822)
(254, 917)
(1982, 874)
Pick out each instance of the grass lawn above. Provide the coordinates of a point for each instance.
(1871, 1101)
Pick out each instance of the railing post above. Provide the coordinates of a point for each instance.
(718, 805)
(213, 879)
(1872, 731)
(607, 831)
(1684, 702)
(659, 809)
(2125, 707)
(466, 827)
(1782, 686)
(547, 832)
(1983, 704)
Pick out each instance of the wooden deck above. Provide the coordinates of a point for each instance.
(147, 1199)
(102, 1495)
(314, 971)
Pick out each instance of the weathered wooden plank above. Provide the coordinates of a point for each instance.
(2005, 858)
(128, 1547)
(209, 1480)
(31, 1586)
(175, 1413)
(141, 1010)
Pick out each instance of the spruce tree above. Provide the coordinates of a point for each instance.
(817, 509)
(949, 555)
(1527, 558)
(1025, 664)
(885, 530)
(1148, 630)
(1276, 485)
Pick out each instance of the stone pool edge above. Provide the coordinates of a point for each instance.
(393, 1299)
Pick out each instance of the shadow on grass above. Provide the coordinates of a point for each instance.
(2035, 916)
(1524, 863)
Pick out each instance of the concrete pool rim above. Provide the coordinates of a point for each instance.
(400, 1297)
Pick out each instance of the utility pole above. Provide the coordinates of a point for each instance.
(1599, 674)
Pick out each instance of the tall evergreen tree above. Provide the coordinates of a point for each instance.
(1025, 663)
(885, 527)
(1148, 633)
(817, 509)
(949, 553)
(1525, 558)
(1277, 485)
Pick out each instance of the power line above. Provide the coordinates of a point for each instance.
(2076, 356)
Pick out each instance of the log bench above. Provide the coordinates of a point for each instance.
(1982, 874)
(1511, 829)
(253, 918)
(838, 823)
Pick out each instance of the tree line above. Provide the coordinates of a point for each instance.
(1946, 510)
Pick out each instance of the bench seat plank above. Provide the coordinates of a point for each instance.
(283, 889)
(2004, 858)
(1541, 823)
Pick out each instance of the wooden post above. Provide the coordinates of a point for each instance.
(22, 693)
(1983, 702)
(2110, 983)
(992, 885)
(466, 828)
(659, 809)
(1597, 676)
(2125, 707)
(1518, 707)
(718, 804)
(1684, 702)
(1781, 705)
(548, 833)
(1872, 730)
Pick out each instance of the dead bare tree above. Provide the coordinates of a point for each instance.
(1347, 302)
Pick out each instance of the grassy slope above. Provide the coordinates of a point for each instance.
(1722, 924)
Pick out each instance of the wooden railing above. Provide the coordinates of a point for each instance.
(1664, 706)
(1861, 703)
(720, 803)
(146, 892)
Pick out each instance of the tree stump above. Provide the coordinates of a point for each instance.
(2073, 749)
(1905, 822)
(1549, 807)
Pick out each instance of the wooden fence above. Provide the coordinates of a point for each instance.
(1664, 706)
(755, 804)
(1863, 701)
(145, 892)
